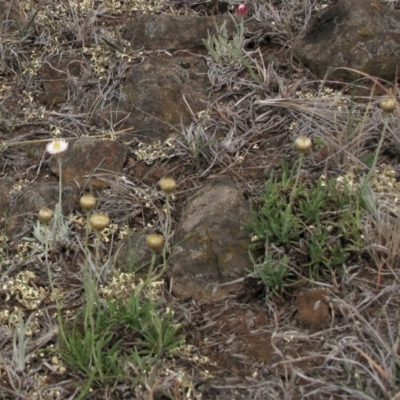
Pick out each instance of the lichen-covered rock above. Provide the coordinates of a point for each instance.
(358, 34)
(212, 243)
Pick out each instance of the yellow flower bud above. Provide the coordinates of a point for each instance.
(167, 185)
(87, 202)
(99, 221)
(388, 104)
(302, 144)
(155, 242)
(45, 215)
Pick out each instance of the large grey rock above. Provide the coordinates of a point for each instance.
(213, 244)
(359, 34)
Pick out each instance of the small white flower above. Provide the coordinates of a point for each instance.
(57, 146)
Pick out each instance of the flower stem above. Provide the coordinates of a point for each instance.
(60, 181)
(297, 179)
(169, 223)
(378, 149)
(97, 249)
(53, 291)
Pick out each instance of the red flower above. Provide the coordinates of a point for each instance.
(242, 9)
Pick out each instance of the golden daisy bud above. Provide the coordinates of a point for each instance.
(99, 221)
(388, 104)
(167, 185)
(302, 144)
(45, 215)
(155, 242)
(87, 202)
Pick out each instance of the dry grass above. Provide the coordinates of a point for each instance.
(250, 111)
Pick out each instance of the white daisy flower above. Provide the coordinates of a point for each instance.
(57, 146)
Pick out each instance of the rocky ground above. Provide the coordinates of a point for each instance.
(232, 308)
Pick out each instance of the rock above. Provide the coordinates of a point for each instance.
(358, 34)
(6, 185)
(161, 94)
(155, 96)
(57, 78)
(23, 213)
(132, 253)
(183, 32)
(89, 159)
(313, 308)
(213, 244)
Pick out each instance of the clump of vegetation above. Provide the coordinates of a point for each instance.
(305, 230)
(94, 342)
(118, 340)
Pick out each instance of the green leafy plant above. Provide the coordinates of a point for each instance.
(48, 236)
(20, 341)
(94, 352)
(317, 225)
(275, 221)
(92, 342)
(51, 228)
(95, 347)
(229, 51)
(274, 272)
(223, 49)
